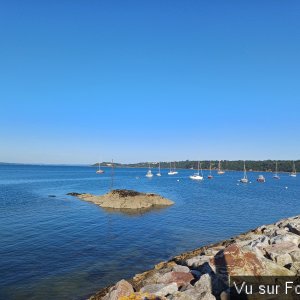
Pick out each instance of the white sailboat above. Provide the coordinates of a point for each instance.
(100, 171)
(172, 171)
(158, 174)
(197, 175)
(210, 175)
(149, 173)
(294, 173)
(220, 171)
(276, 176)
(245, 178)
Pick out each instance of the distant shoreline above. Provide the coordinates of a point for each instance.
(138, 166)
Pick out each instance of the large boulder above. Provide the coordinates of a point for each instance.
(234, 261)
(121, 289)
(180, 278)
(126, 200)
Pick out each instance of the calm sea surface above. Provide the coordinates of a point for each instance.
(63, 248)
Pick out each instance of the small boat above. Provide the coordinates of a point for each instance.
(197, 175)
(99, 171)
(293, 173)
(172, 171)
(149, 173)
(276, 176)
(220, 171)
(261, 178)
(245, 178)
(158, 174)
(209, 175)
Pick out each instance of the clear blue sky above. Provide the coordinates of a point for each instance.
(149, 80)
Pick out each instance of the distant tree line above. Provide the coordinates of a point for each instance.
(235, 165)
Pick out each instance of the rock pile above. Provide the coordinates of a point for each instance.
(203, 273)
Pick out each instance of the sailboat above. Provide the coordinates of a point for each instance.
(276, 176)
(149, 173)
(158, 174)
(245, 178)
(197, 175)
(172, 171)
(210, 176)
(220, 171)
(294, 173)
(100, 171)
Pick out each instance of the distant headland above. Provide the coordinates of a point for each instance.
(234, 165)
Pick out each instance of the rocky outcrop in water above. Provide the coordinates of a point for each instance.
(204, 273)
(125, 200)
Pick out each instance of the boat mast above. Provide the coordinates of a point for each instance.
(210, 167)
(245, 173)
(200, 169)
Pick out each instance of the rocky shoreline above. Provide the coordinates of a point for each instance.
(269, 250)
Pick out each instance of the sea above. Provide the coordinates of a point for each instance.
(54, 246)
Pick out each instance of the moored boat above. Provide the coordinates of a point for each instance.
(100, 171)
(261, 178)
(276, 176)
(210, 175)
(197, 176)
(220, 171)
(149, 173)
(293, 173)
(245, 178)
(158, 173)
(172, 171)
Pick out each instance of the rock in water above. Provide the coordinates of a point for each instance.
(126, 199)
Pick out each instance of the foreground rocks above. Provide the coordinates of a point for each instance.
(204, 272)
(125, 200)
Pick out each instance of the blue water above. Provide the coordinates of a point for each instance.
(64, 248)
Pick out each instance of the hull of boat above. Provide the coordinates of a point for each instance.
(221, 172)
(293, 175)
(196, 177)
(158, 174)
(209, 177)
(100, 172)
(244, 180)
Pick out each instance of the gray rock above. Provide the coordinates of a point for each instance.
(295, 267)
(283, 259)
(197, 261)
(204, 283)
(160, 289)
(179, 268)
(295, 255)
(287, 237)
